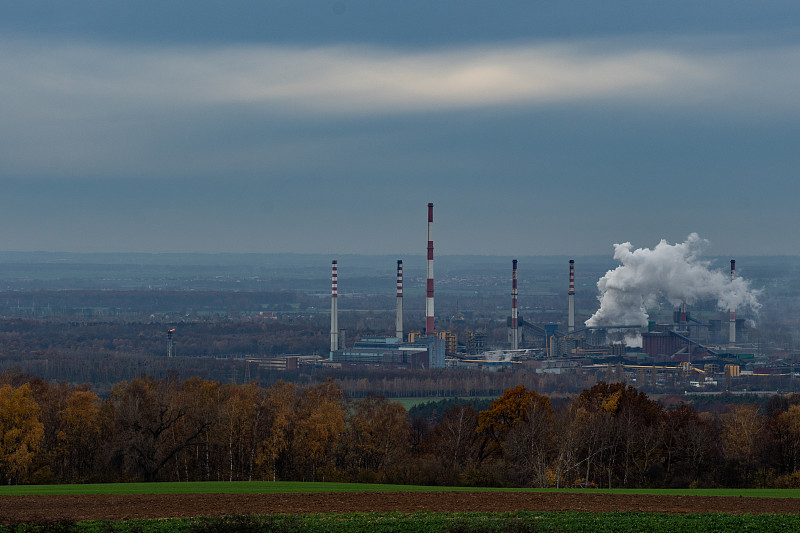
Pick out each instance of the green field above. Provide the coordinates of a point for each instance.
(408, 403)
(427, 522)
(522, 521)
(276, 487)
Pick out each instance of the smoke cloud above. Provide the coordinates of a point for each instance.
(672, 272)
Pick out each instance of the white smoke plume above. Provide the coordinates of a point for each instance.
(669, 271)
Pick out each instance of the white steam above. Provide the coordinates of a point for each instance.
(669, 271)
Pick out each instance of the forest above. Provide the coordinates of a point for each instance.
(609, 435)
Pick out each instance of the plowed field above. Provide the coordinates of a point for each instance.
(16, 509)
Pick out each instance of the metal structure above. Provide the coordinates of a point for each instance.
(170, 343)
(514, 325)
(429, 329)
(334, 308)
(399, 319)
(732, 333)
(571, 316)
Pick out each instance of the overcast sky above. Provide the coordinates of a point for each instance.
(535, 127)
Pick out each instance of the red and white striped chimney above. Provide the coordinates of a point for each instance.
(514, 327)
(334, 308)
(429, 299)
(571, 314)
(399, 319)
(732, 331)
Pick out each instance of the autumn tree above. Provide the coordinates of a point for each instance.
(621, 432)
(21, 433)
(454, 443)
(525, 418)
(51, 399)
(741, 433)
(569, 431)
(316, 433)
(378, 438)
(689, 440)
(151, 423)
(786, 431)
(242, 424)
(506, 412)
(281, 407)
(529, 444)
(203, 460)
(78, 437)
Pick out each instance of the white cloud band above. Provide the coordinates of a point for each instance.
(350, 79)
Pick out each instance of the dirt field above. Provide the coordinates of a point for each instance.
(16, 509)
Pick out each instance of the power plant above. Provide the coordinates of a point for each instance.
(418, 352)
(551, 347)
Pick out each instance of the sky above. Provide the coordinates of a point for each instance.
(537, 127)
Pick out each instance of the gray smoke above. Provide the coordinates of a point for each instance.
(671, 272)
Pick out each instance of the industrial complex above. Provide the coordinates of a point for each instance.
(700, 353)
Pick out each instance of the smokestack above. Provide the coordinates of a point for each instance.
(514, 329)
(429, 299)
(571, 316)
(399, 320)
(732, 332)
(170, 343)
(334, 308)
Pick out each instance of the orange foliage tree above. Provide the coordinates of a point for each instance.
(21, 433)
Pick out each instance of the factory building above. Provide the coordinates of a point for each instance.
(420, 352)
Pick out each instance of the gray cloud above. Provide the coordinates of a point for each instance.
(97, 109)
(371, 79)
(580, 143)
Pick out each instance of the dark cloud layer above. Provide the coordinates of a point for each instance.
(535, 128)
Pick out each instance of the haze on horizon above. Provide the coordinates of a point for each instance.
(326, 127)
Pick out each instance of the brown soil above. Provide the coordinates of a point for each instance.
(31, 509)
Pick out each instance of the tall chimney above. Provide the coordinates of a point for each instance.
(732, 332)
(571, 315)
(399, 319)
(514, 328)
(334, 309)
(429, 299)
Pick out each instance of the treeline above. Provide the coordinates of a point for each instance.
(199, 338)
(104, 371)
(610, 435)
(208, 336)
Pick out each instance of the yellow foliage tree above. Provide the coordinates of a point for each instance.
(507, 412)
(378, 437)
(21, 433)
(320, 423)
(281, 406)
(78, 436)
(742, 429)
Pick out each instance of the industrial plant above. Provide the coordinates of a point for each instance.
(420, 352)
(698, 352)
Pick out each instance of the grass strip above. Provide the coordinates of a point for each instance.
(427, 522)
